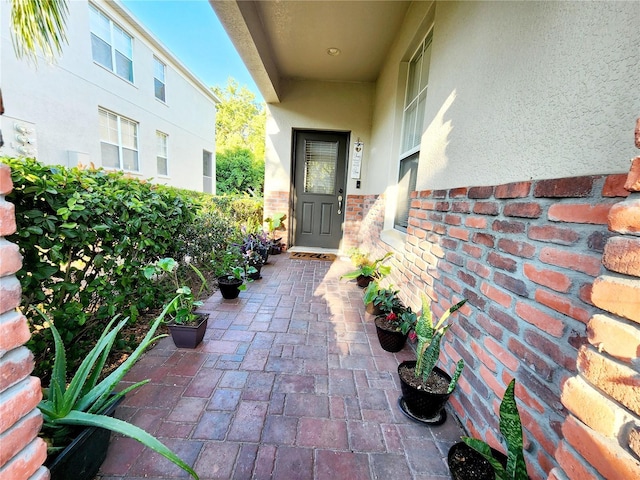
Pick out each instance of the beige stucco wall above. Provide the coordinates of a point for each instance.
(517, 91)
(60, 101)
(310, 105)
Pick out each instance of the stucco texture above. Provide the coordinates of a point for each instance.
(530, 90)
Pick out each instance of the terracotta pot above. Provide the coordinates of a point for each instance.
(82, 458)
(421, 403)
(229, 288)
(189, 336)
(390, 340)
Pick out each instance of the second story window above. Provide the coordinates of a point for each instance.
(118, 141)
(111, 46)
(162, 157)
(159, 70)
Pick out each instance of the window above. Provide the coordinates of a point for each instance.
(118, 141)
(207, 169)
(412, 129)
(159, 69)
(162, 158)
(111, 46)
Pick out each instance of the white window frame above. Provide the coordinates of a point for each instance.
(413, 118)
(162, 152)
(117, 139)
(157, 63)
(208, 181)
(114, 30)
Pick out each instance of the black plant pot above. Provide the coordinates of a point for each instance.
(275, 250)
(256, 275)
(467, 464)
(390, 340)
(363, 282)
(82, 458)
(420, 403)
(229, 289)
(189, 336)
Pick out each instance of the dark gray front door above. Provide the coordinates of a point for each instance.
(319, 188)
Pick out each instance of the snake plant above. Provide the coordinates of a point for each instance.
(81, 401)
(511, 429)
(429, 338)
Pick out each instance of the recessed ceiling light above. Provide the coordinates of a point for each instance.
(333, 51)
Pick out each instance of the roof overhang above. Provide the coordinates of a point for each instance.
(280, 40)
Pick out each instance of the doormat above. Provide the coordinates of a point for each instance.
(329, 257)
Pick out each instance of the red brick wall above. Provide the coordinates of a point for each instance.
(22, 453)
(602, 429)
(278, 202)
(528, 256)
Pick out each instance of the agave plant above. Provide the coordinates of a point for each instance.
(82, 401)
(511, 429)
(429, 339)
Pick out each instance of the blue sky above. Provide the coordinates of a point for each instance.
(192, 32)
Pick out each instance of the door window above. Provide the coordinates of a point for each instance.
(320, 165)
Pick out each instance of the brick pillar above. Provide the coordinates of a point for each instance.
(602, 431)
(22, 453)
(278, 202)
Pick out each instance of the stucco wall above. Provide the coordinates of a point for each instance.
(517, 91)
(61, 101)
(316, 106)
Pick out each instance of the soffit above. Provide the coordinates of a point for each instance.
(289, 39)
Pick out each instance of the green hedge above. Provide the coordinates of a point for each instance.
(85, 236)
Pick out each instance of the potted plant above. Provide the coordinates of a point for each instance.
(231, 271)
(256, 242)
(253, 260)
(76, 411)
(393, 328)
(474, 455)
(274, 223)
(367, 270)
(187, 327)
(379, 301)
(425, 387)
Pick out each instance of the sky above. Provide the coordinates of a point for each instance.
(191, 31)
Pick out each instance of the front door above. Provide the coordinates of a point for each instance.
(319, 188)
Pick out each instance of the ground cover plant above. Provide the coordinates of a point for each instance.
(86, 236)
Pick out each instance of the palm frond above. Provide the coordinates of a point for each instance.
(38, 25)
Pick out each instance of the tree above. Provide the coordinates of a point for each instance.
(240, 120)
(237, 171)
(38, 24)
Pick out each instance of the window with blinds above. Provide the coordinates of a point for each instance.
(320, 165)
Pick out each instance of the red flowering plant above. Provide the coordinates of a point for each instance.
(401, 320)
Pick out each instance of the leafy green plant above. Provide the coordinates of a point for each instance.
(403, 321)
(511, 429)
(181, 309)
(429, 339)
(229, 264)
(385, 299)
(82, 400)
(365, 267)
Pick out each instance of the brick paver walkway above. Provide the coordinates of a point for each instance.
(289, 383)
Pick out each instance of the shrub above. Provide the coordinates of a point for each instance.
(85, 237)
